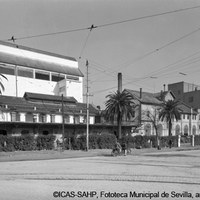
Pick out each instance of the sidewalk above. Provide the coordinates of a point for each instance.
(53, 154)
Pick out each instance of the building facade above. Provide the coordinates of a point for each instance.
(186, 92)
(31, 70)
(147, 112)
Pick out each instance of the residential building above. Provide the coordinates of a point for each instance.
(147, 112)
(32, 70)
(41, 114)
(186, 92)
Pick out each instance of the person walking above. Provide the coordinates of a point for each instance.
(124, 148)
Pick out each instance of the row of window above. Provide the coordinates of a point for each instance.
(43, 118)
(30, 73)
(185, 116)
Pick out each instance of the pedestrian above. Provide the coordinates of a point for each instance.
(124, 148)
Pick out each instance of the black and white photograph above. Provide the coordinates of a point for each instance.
(99, 99)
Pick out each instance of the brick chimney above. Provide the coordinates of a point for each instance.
(140, 93)
(120, 82)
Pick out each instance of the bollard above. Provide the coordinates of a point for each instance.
(192, 142)
(179, 140)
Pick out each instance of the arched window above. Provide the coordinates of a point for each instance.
(194, 129)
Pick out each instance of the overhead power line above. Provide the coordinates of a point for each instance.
(85, 43)
(106, 24)
(148, 16)
(162, 47)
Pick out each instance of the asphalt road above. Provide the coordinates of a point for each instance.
(157, 175)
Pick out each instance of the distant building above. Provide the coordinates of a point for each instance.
(148, 107)
(42, 114)
(186, 92)
(31, 70)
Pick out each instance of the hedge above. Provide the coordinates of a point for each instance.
(45, 142)
(78, 142)
(197, 140)
(101, 141)
(26, 143)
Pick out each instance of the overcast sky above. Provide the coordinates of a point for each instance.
(143, 50)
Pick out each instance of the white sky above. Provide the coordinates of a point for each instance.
(112, 49)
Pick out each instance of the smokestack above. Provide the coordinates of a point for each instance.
(120, 82)
(140, 93)
(164, 87)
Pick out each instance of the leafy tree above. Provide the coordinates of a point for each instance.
(153, 117)
(1, 84)
(169, 112)
(119, 106)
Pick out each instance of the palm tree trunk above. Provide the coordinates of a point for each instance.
(119, 123)
(170, 127)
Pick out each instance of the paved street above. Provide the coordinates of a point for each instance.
(175, 173)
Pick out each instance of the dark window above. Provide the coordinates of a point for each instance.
(52, 118)
(43, 117)
(25, 72)
(57, 77)
(97, 119)
(7, 70)
(29, 117)
(13, 116)
(67, 120)
(42, 75)
(35, 117)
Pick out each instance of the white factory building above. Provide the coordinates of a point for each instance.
(36, 71)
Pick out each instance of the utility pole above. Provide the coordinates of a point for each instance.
(16, 80)
(63, 124)
(16, 71)
(87, 99)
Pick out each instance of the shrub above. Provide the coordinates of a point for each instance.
(45, 142)
(103, 141)
(106, 141)
(164, 141)
(197, 140)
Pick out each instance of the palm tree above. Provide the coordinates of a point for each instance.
(169, 112)
(1, 84)
(119, 106)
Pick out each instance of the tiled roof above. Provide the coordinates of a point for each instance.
(11, 58)
(157, 98)
(146, 97)
(49, 98)
(24, 105)
(185, 108)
